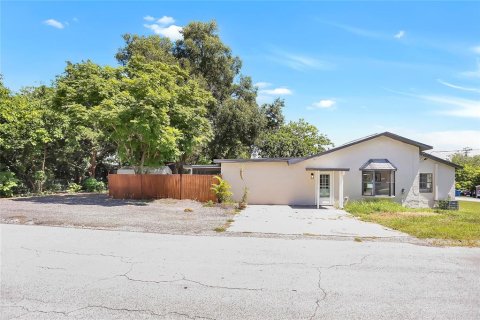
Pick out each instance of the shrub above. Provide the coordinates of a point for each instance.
(442, 204)
(93, 185)
(222, 190)
(74, 187)
(8, 182)
(56, 187)
(244, 201)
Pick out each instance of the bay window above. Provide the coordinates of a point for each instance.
(378, 182)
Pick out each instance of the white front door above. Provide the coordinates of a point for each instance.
(325, 189)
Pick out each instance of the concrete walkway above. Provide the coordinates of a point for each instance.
(283, 219)
(471, 199)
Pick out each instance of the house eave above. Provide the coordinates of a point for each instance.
(446, 162)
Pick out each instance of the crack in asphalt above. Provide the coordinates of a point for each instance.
(320, 299)
(183, 278)
(67, 313)
(122, 258)
(50, 268)
(33, 311)
(348, 265)
(319, 283)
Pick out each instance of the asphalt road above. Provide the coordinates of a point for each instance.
(61, 273)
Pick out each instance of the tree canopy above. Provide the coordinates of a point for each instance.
(165, 102)
(295, 139)
(468, 176)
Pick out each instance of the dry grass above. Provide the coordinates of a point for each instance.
(459, 228)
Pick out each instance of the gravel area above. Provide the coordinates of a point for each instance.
(98, 211)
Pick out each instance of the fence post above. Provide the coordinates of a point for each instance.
(181, 186)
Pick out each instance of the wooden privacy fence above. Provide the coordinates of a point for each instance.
(159, 186)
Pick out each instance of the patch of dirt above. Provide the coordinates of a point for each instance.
(98, 211)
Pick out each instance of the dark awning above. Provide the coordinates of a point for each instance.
(378, 164)
(326, 169)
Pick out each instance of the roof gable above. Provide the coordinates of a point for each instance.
(390, 135)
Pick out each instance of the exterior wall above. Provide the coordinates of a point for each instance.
(403, 156)
(280, 183)
(443, 182)
(270, 182)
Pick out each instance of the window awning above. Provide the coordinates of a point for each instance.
(326, 169)
(378, 164)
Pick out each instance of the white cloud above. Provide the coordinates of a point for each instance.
(454, 86)
(474, 73)
(262, 85)
(459, 107)
(54, 23)
(357, 31)
(299, 62)
(172, 32)
(447, 140)
(165, 20)
(400, 34)
(277, 91)
(323, 104)
(148, 18)
(476, 49)
(451, 140)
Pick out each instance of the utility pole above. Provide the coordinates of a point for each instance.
(466, 150)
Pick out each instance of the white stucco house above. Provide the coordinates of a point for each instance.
(380, 165)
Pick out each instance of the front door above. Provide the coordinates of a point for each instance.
(325, 189)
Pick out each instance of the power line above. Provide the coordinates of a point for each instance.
(460, 150)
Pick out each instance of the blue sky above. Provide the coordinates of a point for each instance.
(350, 68)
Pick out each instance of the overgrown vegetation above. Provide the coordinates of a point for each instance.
(467, 177)
(8, 182)
(92, 185)
(222, 190)
(449, 227)
(244, 200)
(183, 101)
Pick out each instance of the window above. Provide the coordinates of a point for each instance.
(426, 182)
(378, 183)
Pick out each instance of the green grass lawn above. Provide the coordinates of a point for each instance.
(460, 227)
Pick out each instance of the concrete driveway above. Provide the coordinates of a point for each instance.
(62, 273)
(283, 219)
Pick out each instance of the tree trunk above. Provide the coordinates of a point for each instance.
(93, 163)
(142, 161)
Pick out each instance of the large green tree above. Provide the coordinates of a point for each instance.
(274, 118)
(152, 48)
(234, 113)
(295, 139)
(468, 176)
(159, 115)
(29, 133)
(80, 91)
(203, 52)
(238, 122)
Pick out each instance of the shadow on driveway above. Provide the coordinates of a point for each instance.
(83, 199)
